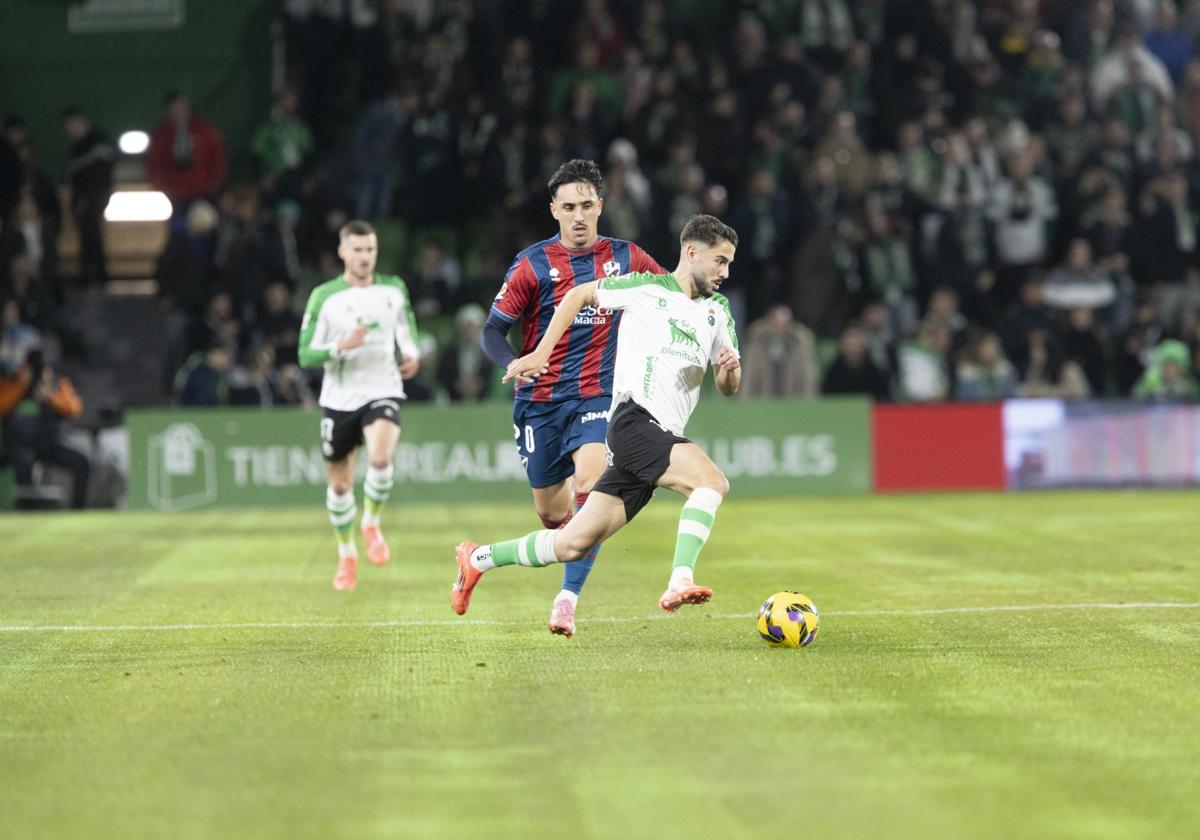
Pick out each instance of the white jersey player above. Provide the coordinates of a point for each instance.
(673, 328)
(360, 326)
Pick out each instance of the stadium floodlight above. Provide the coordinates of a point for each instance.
(134, 142)
(138, 206)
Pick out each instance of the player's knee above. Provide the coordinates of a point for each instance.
(568, 549)
(716, 480)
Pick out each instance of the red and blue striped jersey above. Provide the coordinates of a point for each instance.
(581, 364)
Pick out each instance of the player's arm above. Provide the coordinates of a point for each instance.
(727, 362)
(728, 371)
(510, 304)
(536, 362)
(406, 337)
(317, 346)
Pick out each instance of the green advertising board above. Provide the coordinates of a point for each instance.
(181, 460)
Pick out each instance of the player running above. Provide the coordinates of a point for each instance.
(560, 419)
(360, 326)
(673, 328)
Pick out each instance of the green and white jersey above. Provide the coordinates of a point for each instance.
(355, 377)
(665, 343)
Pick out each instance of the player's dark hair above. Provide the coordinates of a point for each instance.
(707, 229)
(577, 170)
(356, 227)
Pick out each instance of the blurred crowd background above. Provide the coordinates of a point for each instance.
(936, 199)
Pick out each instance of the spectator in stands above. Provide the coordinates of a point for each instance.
(463, 370)
(1169, 376)
(186, 158)
(1078, 282)
(1085, 343)
(185, 273)
(1046, 373)
(249, 380)
(375, 149)
(1171, 237)
(1027, 314)
(852, 371)
(779, 357)
(281, 145)
(1168, 41)
(1022, 206)
(36, 184)
(204, 378)
(983, 371)
(35, 405)
(278, 325)
(90, 173)
(923, 373)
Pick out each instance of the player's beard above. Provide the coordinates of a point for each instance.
(704, 287)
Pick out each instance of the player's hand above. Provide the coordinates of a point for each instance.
(727, 360)
(357, 337)
(526, 368)
(409, 368)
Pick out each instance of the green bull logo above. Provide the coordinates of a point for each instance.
(683, 333)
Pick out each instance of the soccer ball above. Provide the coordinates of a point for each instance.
(788, 619)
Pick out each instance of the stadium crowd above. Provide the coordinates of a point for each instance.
(936, 199)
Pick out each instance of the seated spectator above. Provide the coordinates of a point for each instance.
(204, 378)
(924, 376)
(1027, 314)
(1078, 282)
(1169, 376)
(249, 381)
(779, 357)
(983, 371)
(278, 326)
(464, 371)
(34, 407)
(1048, 374)
(853, 372)
(1084, 343)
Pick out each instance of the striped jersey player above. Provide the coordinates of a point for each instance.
(560, 418)
(675, 328)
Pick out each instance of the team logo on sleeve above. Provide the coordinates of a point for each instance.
(612, 268)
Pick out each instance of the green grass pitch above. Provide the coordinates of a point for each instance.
(195, 676)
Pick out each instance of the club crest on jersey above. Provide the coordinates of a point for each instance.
(612, 268)
(712, 318)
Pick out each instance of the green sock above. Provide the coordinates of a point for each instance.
(535, 549)
(695, 524)
(377, 486)
(341, 516)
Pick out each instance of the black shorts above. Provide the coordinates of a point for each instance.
(639, 452)
(341, 431)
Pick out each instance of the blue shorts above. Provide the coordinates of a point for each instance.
(547, 434)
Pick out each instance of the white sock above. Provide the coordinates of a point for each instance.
(681, 576)
(481, 558)
(568, 595)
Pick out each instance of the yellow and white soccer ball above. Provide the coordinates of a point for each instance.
(788, 619)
